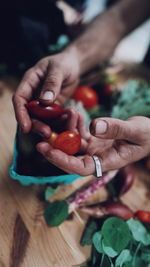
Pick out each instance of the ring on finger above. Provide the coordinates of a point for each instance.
(97, 166)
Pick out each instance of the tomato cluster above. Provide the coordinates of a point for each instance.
(68, 141)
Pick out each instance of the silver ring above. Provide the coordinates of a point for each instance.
(97, 166)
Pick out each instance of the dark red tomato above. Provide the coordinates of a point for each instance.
(143, 216)
(87, 96)
(108, 89)
(44, 112)
(69, 142)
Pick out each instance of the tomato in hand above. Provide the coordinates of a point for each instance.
(69, 142)
(143, 216)
(44, 112)
(87, 96)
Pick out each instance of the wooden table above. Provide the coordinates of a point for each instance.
(25, 239)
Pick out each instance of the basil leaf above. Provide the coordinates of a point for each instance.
(139, 232)
(97, 241)
(87, 236)
(124, 256)
(108, 250)
(55, 213)
(116, 233)
(49, 192)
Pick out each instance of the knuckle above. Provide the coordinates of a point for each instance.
(52, 79)
(29, 74)
(116, 130)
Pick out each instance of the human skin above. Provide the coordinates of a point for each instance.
(116, 142)
(60, 73)
(121, 142)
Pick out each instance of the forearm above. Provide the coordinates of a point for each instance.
(103, 34)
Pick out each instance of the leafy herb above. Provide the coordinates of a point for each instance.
(90, 229)
(146, 255)
(49, 192)
(133, 101)
(124, 256)
(56, 212)
(109, 251)
(116, 233)
(97, 241)
(139, 232)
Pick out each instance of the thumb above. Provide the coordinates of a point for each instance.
(52, 85)
(110, 128)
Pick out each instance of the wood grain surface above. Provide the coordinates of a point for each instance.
(25, 239)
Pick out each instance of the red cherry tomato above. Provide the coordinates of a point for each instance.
(87, 96)
(69, 142)
(143, 216)
(108, 89)
(44, 112)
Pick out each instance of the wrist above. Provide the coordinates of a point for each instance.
(99, 40)
(72, 54)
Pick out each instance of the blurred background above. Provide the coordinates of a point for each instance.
(32, 29)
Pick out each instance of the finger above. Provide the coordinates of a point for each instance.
(84, 132)
(41, 128)
(72, 118)
(67, 91)
(79, 165)
(23, 94)
(110, 128)
(52, 84)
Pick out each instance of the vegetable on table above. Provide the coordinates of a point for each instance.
(123, 180)
(108, 208)
(68, 142)
(41, 112)
(87, 96)
(82, 195)
(143, 215)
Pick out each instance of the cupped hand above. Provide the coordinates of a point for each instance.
(52, 78)
(117, 143)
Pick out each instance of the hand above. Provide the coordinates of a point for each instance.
(59, 75)
(117, 144)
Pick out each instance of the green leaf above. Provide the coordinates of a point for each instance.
(108, 250)
(49, 192)
(87, 236)
(116, 233)
(128, 265)
(124, 256)
(145, 256)
(55, 213)
(97, 241)
(139, 232)
(136, 94)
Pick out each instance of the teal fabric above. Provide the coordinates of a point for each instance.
(28, 180)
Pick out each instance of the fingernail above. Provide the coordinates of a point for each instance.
(48, 95)
(101, 127)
